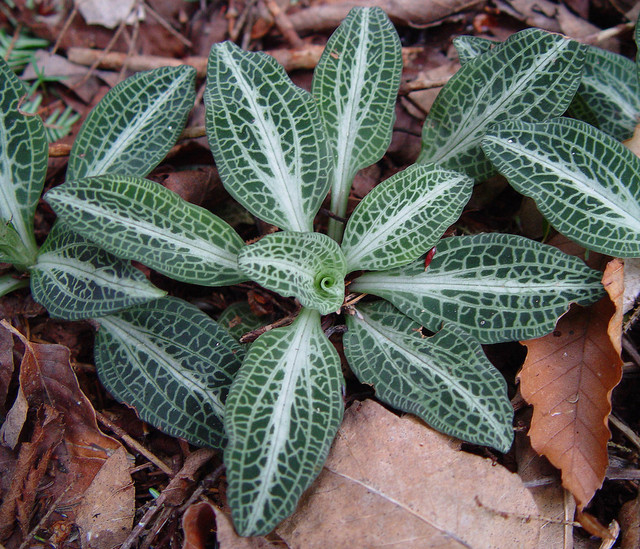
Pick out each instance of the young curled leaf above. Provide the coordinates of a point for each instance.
(309, 266)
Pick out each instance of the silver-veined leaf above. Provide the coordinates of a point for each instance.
(609, 89)
(12, 249)
(136, 123)
(445, 379)
(283, 411)
(135, 218)
(267, 138)
(73, 278)
(469, 47)
(532, 76)
(497, 287)
(173, 364)
(23, 161)
(309, 266)
(404, 216)
(355, 84)
(584, 182)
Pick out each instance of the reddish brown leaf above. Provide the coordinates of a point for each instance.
(6, 367)
(198, 523)
(31, 466)
(47, 379)
(568, 377)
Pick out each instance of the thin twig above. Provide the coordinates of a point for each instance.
(284, 25)
(626, 430)
(251, 336)
(26, 542)
(134, 444)
(65, 27)
(164, 23)
(14, 41)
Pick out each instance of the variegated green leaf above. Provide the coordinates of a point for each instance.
(173, 364)
(469, 47)
(73, 278)
(283, 411)
(584, 182)
(309, 266)
(23, 161)
(11, 282)
(445, 379)
(133, 127)
(267, 138)
(404, 216)
(610, 90)
(238, 319)
(356, 83)
(139, 219)
(532, 76)
(497, 287)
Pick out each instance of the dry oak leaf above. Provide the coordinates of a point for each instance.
(228, 539)
(568, 377)
(395, 482)
(106, 511)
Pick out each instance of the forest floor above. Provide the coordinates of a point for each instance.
(158, 491)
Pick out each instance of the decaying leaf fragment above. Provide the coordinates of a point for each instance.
(568, 377)
(395, 482)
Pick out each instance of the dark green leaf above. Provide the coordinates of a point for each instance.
(173, 364)
(445, 379)
(133, 127)
(74, 279)
(497, 287)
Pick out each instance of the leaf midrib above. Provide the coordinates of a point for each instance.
(468, 397)
(464, 130)
(273, 151)
(172, 368)
(125, 138)
(207, 249)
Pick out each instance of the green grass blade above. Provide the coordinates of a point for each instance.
(445, 379)
(585, 183)
(75, 279)
(497, 287)
(532, 76)
(23, 160)
(356, 83)
(404, 216)
(283, 411)
(266, 137)
(139, 219)
(173, 364)
(133, 127)
(309, 266)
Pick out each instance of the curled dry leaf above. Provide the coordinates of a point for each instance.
(228, 539)
(568, 377)
(395, 482)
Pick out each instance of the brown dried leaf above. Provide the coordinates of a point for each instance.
(6, 367)
(30, 468)
(228, 539)
(47, 379)
(197, 524)
(105, 514)
(396, 482)
(568, 377)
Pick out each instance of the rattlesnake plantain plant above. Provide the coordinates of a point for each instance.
(280, 150)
